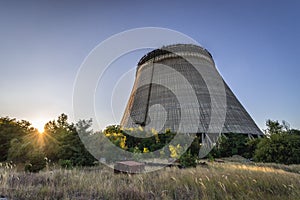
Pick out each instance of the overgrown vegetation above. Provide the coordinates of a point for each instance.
(61, 146)
(21, 143)
(279, 148)
(280, 145)
(215, 181)
(125, 139)
(61, 143)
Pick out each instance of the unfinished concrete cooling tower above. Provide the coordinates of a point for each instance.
(173, 90)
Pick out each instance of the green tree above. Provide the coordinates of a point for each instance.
(273, 127)
(52, 143)
(19, 142)
(230, 144)
(279, 148)
(36, 161)
(9, 130)
(19, 150)
(53, 135)
(188, 160)
(251, 146)
(294, 131)
(63, 143)
(72, 147)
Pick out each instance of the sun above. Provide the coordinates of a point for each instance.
(39, 125)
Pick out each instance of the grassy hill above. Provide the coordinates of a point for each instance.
(229, 180)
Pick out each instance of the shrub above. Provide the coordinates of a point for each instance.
(188, 160)
(36, 163)
(251, 146)
(279, 148)
(68, 164)
(229, 145)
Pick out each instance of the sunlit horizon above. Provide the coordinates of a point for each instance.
(39, 123)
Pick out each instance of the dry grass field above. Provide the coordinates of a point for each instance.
(227, 180)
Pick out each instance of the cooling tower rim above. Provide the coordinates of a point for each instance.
(177, 48)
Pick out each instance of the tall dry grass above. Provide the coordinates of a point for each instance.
(215, 181)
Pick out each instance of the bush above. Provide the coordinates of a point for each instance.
(229, 145)
(36, 163)
(279, 148)
(188, 160)
(251, 146)
(68, 164)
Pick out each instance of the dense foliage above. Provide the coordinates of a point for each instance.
(21, 143)
(125, 139)
(12, 129)
(60, 143)
(280, 145)
(231, 144)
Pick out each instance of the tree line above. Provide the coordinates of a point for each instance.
(281, 144)
(60, 143)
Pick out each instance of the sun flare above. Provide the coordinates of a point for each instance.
(39, 125)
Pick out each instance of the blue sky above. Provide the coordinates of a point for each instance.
(255, 45)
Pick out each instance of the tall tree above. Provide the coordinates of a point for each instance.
(72, 147)
(273, 127)
(9, 130)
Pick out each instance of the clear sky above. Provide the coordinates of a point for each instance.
(255, 45)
